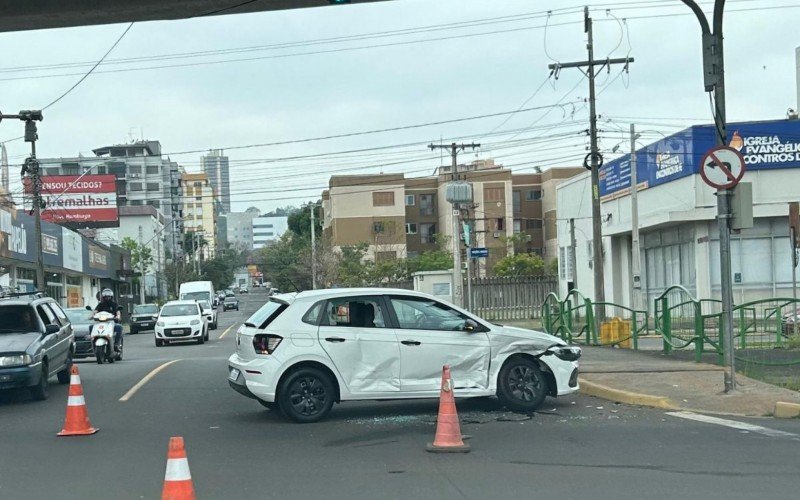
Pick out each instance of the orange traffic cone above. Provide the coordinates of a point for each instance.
(448, 431)
(178, 479)
(77, 420)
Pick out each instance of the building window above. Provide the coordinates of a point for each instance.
(410, 200)
(101, 170)
(494, 194)
(153, 186)
(500, 224)
(383, 199)
(154, 203)
(71, 170)
(198, 198)
(426, 204)
(517, 226)
(135, 203)
(153, 169)
(516, 197)
(427, 233)
(117, 169)
(411, 228)
(135, 186)
(377, 227)
(533, 224)
(135, 169)
(533, 195)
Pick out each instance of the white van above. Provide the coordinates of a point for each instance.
(198, 290)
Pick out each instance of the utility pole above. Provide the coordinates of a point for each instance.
(573, 255)
(158, 265)
(594, 160)
(142, 299)
(714, 80)
(458, 282)
(314, 249)
(636, 263)
(31, 167)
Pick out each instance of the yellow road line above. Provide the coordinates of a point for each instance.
(226, 331)
(128, 395)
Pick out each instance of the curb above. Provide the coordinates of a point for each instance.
(627, 397)
(786, 410)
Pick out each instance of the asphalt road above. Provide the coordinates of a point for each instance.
(576, 447)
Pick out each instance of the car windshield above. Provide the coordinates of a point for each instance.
(145, 309)
(17, 319)
(179, 310)
(79, 316)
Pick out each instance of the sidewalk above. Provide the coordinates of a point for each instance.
(651, 379)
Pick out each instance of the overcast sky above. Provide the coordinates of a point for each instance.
(491, 65)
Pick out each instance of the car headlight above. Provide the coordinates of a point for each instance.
(16, 360)
(195, 322)
(155, 318)
(566, 353)
(160, 323)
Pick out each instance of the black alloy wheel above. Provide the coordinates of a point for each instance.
(521, 386)
(306, 395)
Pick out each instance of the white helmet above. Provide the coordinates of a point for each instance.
(107, 292)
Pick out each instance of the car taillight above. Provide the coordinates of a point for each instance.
(266, 343)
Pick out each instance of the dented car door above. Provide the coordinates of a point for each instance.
(362, 346)
(431, 334)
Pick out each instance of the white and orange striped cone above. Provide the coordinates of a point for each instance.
(448, 429)
(76, 422)
(177, 480)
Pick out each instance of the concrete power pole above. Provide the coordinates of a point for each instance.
(636, 263)
(4, 179)
(594, 160)
(313, 250)
(573, 257)
(142, 299)
(714, 80)
(458, 282)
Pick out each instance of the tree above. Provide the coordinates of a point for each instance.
(521, 264)
(193, 242)
(141, 255)
(552, 267)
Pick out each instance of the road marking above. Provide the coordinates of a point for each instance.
(742, 426)
(147, 378)
(226, 331)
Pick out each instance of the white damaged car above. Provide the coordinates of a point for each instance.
(303, 352)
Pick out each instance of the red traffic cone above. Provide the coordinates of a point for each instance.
(448, 430)
(76, 422)
(177, 480)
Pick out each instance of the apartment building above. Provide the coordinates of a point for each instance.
(215, 165)
(399, 217)
(144, 177)
(199, 211)
(267, 229)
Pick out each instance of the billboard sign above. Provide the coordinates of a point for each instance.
(73, 250)
(764, 145)
(79, 201)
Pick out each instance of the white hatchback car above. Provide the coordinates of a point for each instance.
(303, 352)
(210, 312)
(181, 320)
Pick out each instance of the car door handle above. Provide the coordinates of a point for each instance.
(334, 339)
(410, 342)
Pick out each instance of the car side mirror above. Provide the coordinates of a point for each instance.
(51, 329)
(120, 308)
(88, 308)
(470, 326)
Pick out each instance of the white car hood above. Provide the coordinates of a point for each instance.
(521, 336)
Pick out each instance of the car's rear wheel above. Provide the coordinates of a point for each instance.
(306, 395)
(521, 386)
(39, 391)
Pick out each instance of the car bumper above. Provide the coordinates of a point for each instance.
(230, 307)
(171, 333)
(143, 325)
(83, 348)
(21, 376)
(257, 378)
(565, 374)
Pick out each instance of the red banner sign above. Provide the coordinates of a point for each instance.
(84, 200)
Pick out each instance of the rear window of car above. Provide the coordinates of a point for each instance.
(230, 299)
(266, 314)
(79, 316)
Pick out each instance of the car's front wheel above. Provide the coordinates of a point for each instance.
(159, 343)
(39, 391)
(306, 395)
(521, 386)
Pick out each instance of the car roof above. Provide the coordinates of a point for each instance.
(336, 292)
(181, 302)
(24, 300)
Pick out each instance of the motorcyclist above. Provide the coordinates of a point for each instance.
(108, 304)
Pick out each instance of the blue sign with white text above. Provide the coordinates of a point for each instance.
(478, 253)
(764, 145)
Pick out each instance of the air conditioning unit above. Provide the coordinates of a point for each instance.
(133, 176)
(497, 234)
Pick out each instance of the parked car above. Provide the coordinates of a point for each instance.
(181, 320)
(243, 289)
(229, 293)
(82, 322)
(144, 318)
(210, 314)
(788, 321)
(303, 352)
(230, 303)
(36, 342)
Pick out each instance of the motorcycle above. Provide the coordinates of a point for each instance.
(102, 334)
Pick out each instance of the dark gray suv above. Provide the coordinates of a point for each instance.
(36, 342)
